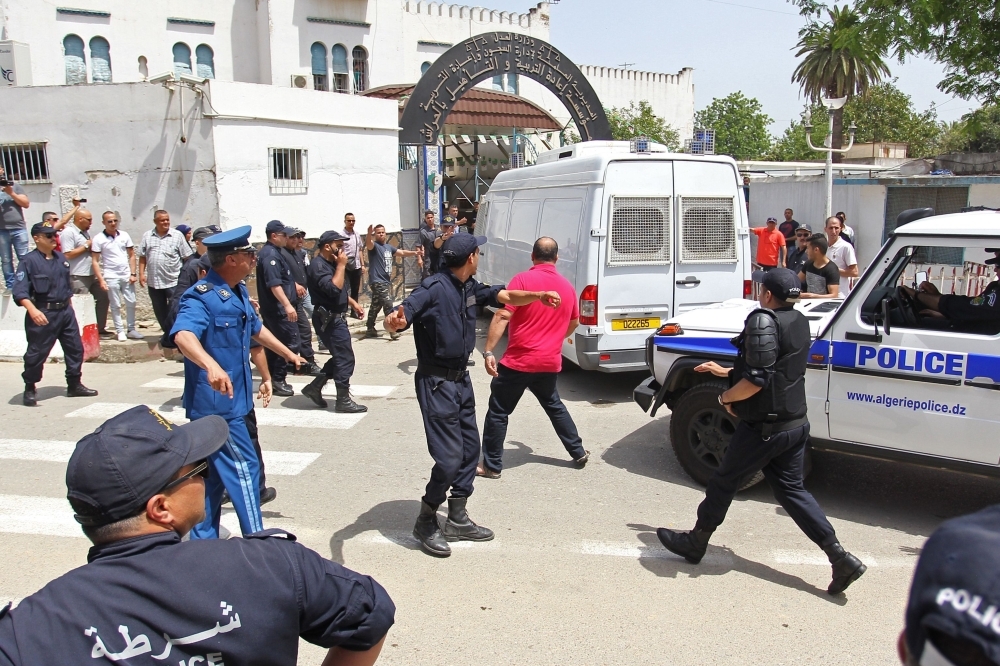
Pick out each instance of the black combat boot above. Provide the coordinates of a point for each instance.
(345, 404)
(689, 545)
(76, 389)
(310, 368)
(460, 527)
(314, 391)
(29, 399)
(846, 567)
(281, 389)
(428, 533)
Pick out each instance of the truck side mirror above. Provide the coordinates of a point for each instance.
(885, 314)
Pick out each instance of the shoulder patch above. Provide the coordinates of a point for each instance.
(272, 262)
(66, 264)
(201, 288)
(224, 293)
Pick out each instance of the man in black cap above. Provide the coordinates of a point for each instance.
(43, 287)
(443, 313)
(297, 259)
(276, 291)
(953, 615)
(767, 394)
(136, 485)
(327, 273)
(977, 313)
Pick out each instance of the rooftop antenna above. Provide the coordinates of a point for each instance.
(626, 65)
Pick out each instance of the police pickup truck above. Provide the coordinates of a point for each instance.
(889, 375)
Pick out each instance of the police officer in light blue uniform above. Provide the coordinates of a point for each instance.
(214, 327)
(443, 312)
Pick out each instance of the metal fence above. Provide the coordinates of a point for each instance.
(26, 163)
(288, 170)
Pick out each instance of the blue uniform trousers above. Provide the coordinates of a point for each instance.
(288, 333)
(235, 468)
(780, 458)
(62, 326)
(448, 409)
(337, 338)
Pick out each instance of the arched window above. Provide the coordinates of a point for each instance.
(182, 58)
(143, 67)
(76, 61)
(360, 57)
(318, 53)
(424, 67)
(100, 60)
(205, 60)
(341, 72)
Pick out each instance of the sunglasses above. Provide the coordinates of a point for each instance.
(199, 470)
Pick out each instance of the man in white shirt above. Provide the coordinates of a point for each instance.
(842, 254)
(75, 241)
(113, 262)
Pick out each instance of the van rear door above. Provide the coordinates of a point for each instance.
(708, 209)
(635, 283)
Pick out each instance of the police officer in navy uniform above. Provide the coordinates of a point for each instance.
(193, 267)
(979, 314)
(43, 287)
(442, 311)
(326, 275)
(767, 394)
(145, 597)
(214, 327)
(276, 291)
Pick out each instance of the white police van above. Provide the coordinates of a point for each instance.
(883, 379)
(643, 235)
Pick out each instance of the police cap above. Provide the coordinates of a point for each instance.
(42, 228)
(278, 227)
(461, 245)
(116, 469)
(330, 237)
(995, 261)
(781, 282)
(204, 232)
(228, 241)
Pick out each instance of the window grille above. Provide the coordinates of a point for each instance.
(25, 163)
(75, 60)
(205, 61)
(182, 58)
(640, 231)
(407, 158)
(708, 230)
(289, 170)
(100, 60)
(360, 57)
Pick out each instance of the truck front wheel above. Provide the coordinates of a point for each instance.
(700, 430)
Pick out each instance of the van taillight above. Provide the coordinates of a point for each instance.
(588, 305)
(747, 288)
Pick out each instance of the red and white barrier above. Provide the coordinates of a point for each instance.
(13, 342)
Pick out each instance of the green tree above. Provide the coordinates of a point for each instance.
(886, 113)
(632, 121)
(740, 126)
(792, 147)
(976, 132)
(838, 60)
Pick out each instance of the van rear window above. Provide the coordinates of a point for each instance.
(640, 231)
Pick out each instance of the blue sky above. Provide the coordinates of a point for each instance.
(731, 44)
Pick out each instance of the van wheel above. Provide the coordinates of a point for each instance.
(700, 430)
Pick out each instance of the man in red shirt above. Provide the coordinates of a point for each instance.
(533, 358)
(770, 245)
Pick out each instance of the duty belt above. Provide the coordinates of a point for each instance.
(444, 373)
(51, 305)
(771, 426)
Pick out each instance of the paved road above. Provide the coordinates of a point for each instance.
(575, 574)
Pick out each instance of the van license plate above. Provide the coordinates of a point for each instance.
(633, 324)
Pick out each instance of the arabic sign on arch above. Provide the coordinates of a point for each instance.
(464, 65)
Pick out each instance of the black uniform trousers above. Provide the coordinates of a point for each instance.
(781, 460)
(505, 392)
(353, 279)
(337, 338)
(62, 326)
(448, 409)
(305, 333)
(287, 333)
(250, 420)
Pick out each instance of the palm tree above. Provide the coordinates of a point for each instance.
(840, 60)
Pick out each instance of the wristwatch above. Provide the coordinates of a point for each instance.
(487, 353)
(723, 402)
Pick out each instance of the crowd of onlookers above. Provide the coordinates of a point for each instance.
(825, 261)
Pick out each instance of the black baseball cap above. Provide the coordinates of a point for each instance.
(42, 228)
(278, 227)
(330, 237)
(116, 469)
(781, 282)
(995, 261)
(803, 227)
(956, 589)
(461, 245)
(204, 232)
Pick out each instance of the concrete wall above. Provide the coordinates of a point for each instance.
(121, 146)
(985, 195)
(670, 95)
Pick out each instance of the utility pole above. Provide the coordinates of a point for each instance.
(831, 106)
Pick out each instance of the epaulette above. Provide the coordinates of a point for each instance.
(202, 288)
(224, 293)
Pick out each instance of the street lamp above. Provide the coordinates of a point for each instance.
(832, 105)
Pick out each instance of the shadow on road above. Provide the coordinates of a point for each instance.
(394, 520)
(522, 454)
(647, 452)
(41, 393)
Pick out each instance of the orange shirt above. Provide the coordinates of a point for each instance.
(769, 244)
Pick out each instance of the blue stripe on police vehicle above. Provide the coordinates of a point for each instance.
(929, 363)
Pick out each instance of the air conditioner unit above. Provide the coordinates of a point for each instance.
(15, 64)
(299, 81)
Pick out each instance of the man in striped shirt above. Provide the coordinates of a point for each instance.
(161, 251)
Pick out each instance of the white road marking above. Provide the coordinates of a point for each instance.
(637, 551)
(817, 558)
(280, 463)
(359, 390)
(407, 539)
(49, 516)
(287, 418)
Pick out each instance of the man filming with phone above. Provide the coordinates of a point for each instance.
(13, 232)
